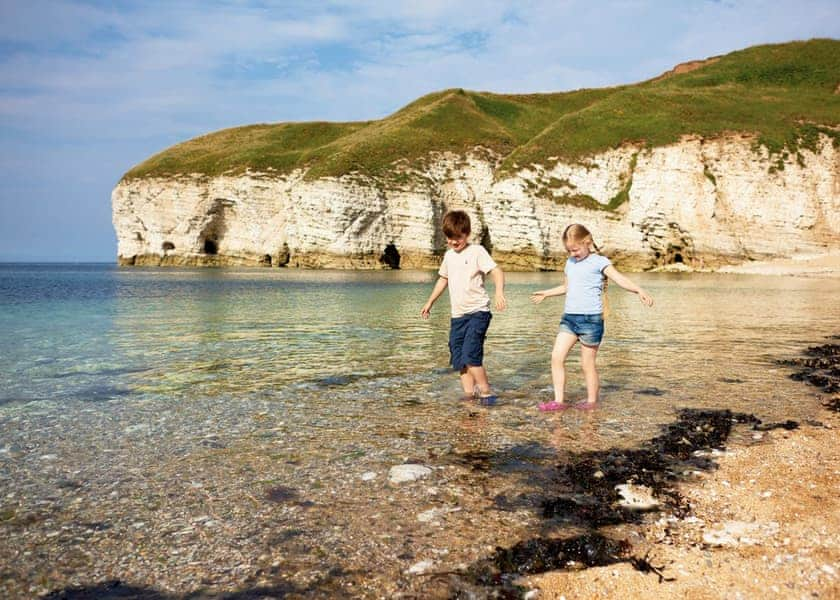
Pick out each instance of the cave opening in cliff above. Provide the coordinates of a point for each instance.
(167, 246)
(390, 256)
(485, 239)
(266, 260)
(678, 258)
(211, 247)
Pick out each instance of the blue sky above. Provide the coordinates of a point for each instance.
(88, 88)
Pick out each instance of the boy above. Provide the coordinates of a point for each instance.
(463, 269)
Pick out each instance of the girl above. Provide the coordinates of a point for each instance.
(586, 274)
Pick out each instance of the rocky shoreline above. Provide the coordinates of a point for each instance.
(697, 511)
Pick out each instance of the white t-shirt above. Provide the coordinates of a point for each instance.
(465, 271)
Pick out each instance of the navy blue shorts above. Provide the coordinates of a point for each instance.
(466, 339)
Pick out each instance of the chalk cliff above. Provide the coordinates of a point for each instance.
(717, 200)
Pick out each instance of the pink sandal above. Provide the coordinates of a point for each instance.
(553, 405)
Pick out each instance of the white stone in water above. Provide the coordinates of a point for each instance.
(140, 427)
(368, 476)
(406, 473)
(636, 497)
(420, 568)
(428, 515)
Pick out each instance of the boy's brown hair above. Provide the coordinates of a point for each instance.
(455, 224)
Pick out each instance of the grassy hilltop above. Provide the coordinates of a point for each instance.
(785, 94)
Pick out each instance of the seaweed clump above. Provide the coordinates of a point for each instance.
(821, 369)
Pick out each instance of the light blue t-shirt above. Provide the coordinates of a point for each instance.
(584, 284)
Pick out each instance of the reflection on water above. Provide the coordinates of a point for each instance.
(328, 338)
(300, 382)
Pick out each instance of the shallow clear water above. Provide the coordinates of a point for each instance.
(99, 333)
(249, 379)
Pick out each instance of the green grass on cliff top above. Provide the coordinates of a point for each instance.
(783, 94)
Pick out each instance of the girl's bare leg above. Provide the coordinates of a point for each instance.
(590, 373)
(562, 345)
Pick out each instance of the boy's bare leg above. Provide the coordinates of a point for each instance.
(467, 381)
(590, 373)
(562, 345)
(479, 375)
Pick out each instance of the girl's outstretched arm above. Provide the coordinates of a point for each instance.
(628, 285)
(538, 297)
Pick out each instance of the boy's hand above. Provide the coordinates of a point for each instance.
(501, 303)
(424, 312)
(537, 297)
(643, 296)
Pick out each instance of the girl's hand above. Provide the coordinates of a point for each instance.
(424, 312)
(537, 297)
(643, 296)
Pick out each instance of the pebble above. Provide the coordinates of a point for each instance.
(420, 568)
(405, 473)
(368, 476)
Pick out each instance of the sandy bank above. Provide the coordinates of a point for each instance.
(805, 265)
(766, 524)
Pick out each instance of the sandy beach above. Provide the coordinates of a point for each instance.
(803, 265)
(766, 524)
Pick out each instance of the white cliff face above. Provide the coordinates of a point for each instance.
(716, 200)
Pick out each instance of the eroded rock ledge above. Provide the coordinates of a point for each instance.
(699, 202)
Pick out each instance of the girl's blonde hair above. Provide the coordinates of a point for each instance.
(578, 234)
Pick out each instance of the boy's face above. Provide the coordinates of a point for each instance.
(457, 243)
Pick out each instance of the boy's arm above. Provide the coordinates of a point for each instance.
(628, 285)
(541, 295)
(440, 285)
(499, 283)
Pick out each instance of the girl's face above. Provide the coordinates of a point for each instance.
(578, 250)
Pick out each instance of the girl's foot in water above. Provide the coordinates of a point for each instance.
(586, 405)
(553, 405)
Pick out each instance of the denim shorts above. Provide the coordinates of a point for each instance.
(466, 339)
(589, 329)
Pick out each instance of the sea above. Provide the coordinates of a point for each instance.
(137, 405)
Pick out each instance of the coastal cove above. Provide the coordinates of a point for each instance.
(222, 431)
